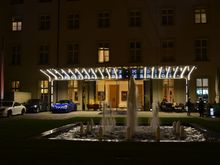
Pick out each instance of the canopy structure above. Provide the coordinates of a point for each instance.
(117, 73)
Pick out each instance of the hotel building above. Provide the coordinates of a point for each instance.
(87, 50)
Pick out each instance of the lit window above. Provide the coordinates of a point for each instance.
(72, 53)
(168, 89)
(103, 52)
(202, 88)
(135, 51)
(44, 90)
(73, 90)
(44, 85)
(201, 50)
(167, 16)
(15, 85)
(135, 18)
(16, 24)
(200, 16)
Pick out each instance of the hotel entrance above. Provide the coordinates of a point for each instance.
(113, 95)
(93, 86)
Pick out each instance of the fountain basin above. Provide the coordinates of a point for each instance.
(73, 132)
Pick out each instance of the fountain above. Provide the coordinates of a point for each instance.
(108, 130)
(131, 109)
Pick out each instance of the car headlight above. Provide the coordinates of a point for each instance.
(65, 106)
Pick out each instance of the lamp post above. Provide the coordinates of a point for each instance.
(2, 70)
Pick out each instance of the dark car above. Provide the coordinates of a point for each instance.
(63, 106)
(36, 105)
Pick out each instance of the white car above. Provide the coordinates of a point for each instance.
(9, 108)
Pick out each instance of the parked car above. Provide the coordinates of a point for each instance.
(36, 105)
(9, 108)
(63, 106)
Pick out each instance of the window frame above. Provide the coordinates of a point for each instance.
(16, 54)
(135, 51)
(44, 50)
(104, 19)
(199, 13)
(72, 51)
(167, 50)
(103, 50)
(16, 24)
(73, 21)
(45, 22)
(15, 85)
(201, 49)
(202, 88)
(135, 18)
(167, 16)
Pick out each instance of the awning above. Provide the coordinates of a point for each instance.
(117, 73)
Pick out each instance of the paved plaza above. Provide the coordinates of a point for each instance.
(57, 116)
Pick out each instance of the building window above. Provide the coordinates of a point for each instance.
(135, 18)
(72, 53)
(167, 16)
(200, 16)
(72, 0)
(14, 2)
(44, 89)
(73, 90)
(201, 50)
(168, 90)
(44, 54)
(167, 51)
(15, 86)
(15, 55)
(103, 52)
(73, 21)
(135, 51)
(202, 88)
(104, 19)
(42, 1)
(44, 22)
(16, 24)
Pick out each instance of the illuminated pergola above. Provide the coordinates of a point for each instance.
(119, 73)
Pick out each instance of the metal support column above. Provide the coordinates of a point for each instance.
(187, 89)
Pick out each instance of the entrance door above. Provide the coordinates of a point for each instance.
(140, 96)
(114, 95)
